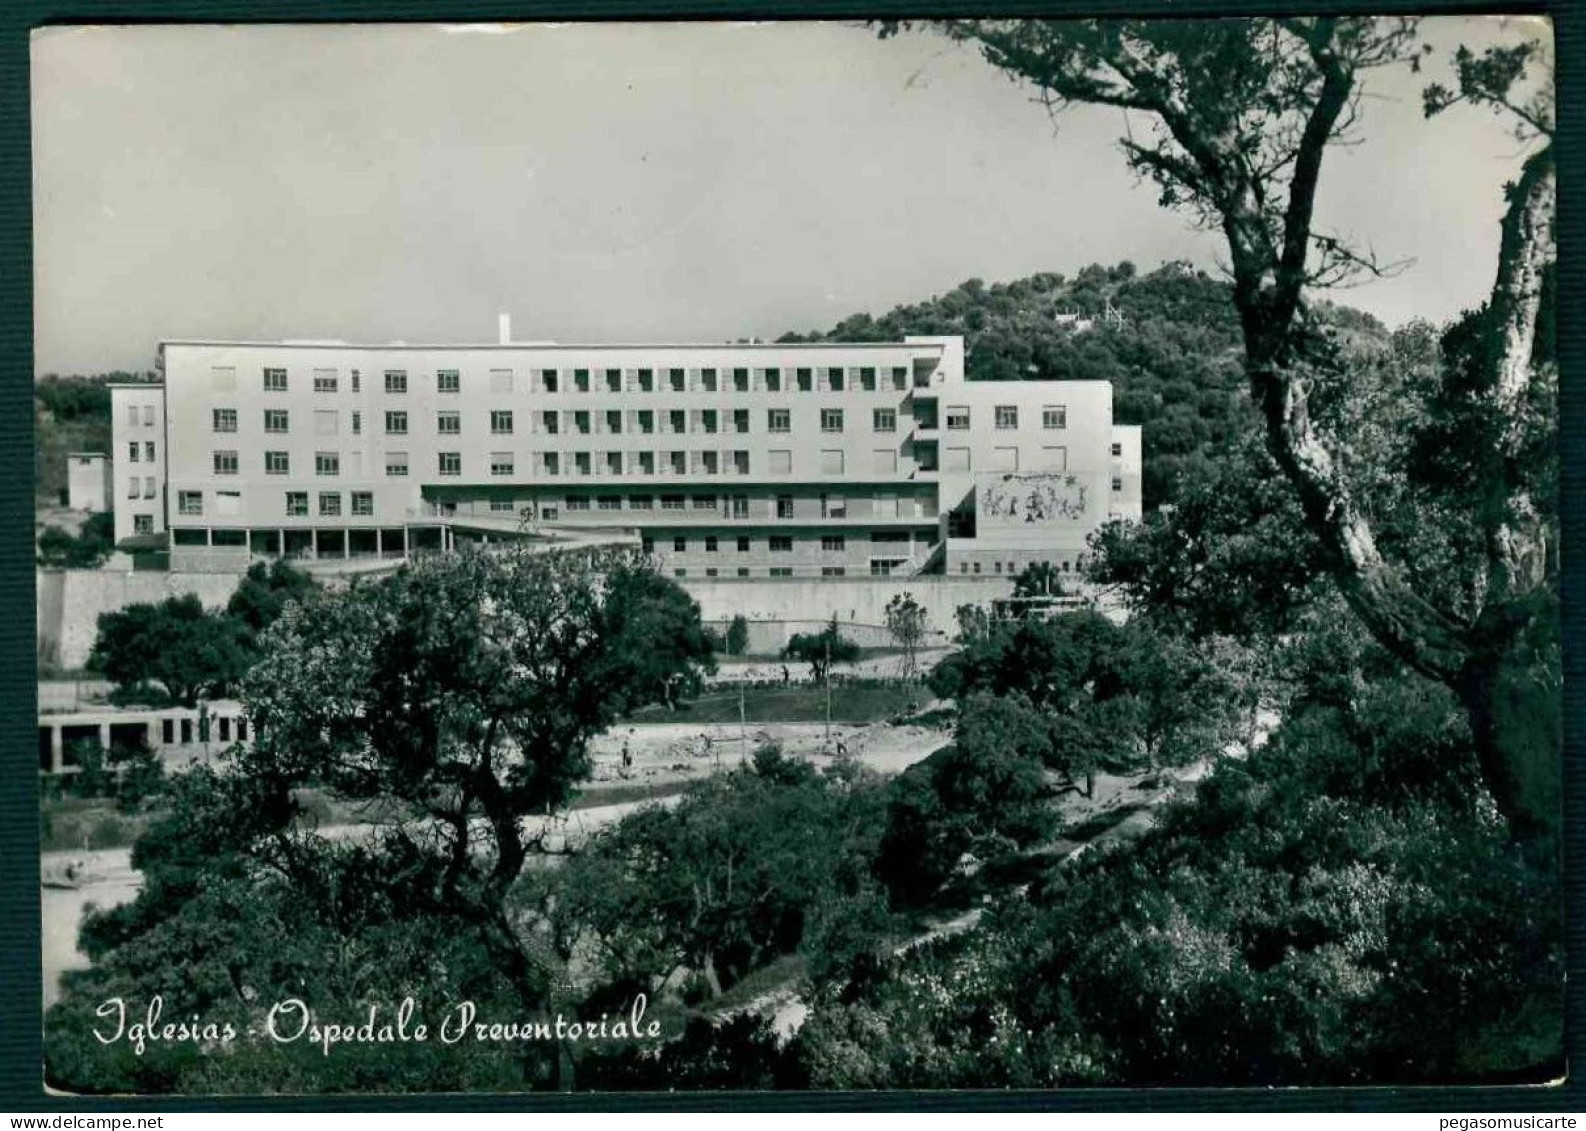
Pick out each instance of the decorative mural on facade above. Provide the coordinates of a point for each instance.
(1042, 498)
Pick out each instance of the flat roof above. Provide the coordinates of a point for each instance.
(296, 344)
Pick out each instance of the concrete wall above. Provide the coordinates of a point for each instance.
(69, 602)
(776, 609)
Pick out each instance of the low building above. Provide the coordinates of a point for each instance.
(88, 482)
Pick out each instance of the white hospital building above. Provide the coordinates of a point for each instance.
(746, 460)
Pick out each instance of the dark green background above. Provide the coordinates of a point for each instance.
(20, 1061)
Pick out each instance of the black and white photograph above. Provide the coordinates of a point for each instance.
(797, 556)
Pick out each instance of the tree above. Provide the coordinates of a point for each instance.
(1242, 115)
(85, 550)
(178, 645)
(906, 620)
(265, 590)
(466, 687)
(737, 639)
(1039, 579)
(820, 650)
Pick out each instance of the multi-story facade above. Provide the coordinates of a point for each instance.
(747, 460)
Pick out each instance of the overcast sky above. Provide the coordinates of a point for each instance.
(693, 182)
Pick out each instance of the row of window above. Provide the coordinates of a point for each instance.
(147, 447)
(192, 503)
(137, 414)
(773, 379)
(878, 568)
(974, 567)
(277, 421)
(679, 463)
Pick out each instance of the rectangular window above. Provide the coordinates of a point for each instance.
(781, 544)
(148, 414)
(448, 423)
(677, 379)
(641, 502)
(143, 524)
(646, 419)
(646, 463)
(450, 463)
(396, 463)
(581, 380)
(806, 379)
(834, 507)
(1007, 417)
(225, 420)
(680, 545)
(833, 571)
(363, 503)
(773, 380)
(190, 502)
(133, 452)
(501, 380)
(740, 506)
(614, 421)
(277, 463)
(448, 381)
(707, 420)
(553, 463)
(396, 380)
(501, 422)
(957, 418)
(581, 463)
(780, 461)
(325, 381)
(148, 451)
(831, 420)
(672, 502)
(884, 460)
(550, 423)
(275, 380)
(1117, 451)
(832, 462)
(711, 544)
(834, 543)
(778, 420)
(329, 504)
(784, 506)
(548, 380)
(276, 420)
(740, 420)
(740, 463)
(396, 424)
(740, 380)
(704, 502)
(548, 512)
(357, 423)
(325, 422)
(356, 381)
(581, 422)
(1053, 416)
(677, 421)
(646, 380)
(867, 379)
(900, 377)
(610, 502)
(225, 463)
(327, 463)
(885, 420)
(834, 379)
(707, 380)
(501, 463)
(613, 380)
(613, 463)
(497, 506)
(743, 545)
(1117, 483)
(781, 571)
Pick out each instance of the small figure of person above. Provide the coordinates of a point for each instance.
(842, 747)
(627, 754)
(787, 676)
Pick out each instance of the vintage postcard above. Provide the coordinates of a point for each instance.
(797, 556)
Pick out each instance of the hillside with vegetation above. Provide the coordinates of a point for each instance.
(1172, 349)
(70, 414)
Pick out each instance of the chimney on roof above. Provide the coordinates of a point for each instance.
(504, 324)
